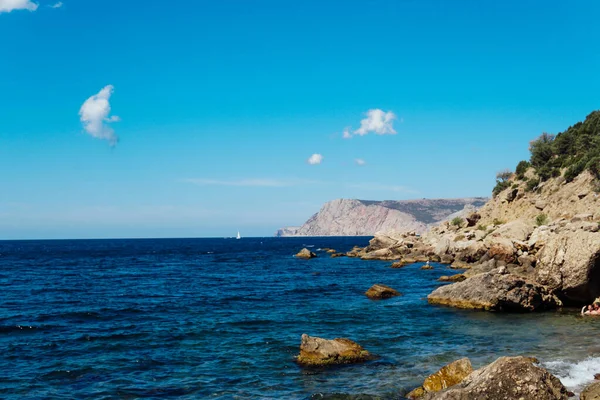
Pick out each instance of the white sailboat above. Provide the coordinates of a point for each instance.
(238, 235)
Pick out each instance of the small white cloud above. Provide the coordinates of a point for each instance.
(10, 5)
(378, 122)
(315, 159)
(347, 134)
(360, 161)
(94, 115)
(56, 5)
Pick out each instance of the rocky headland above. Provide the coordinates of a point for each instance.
(349, 217)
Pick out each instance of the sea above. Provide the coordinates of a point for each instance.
(222, 319)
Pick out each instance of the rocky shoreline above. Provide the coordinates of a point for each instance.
(524, 251)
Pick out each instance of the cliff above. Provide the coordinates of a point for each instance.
(349, 217)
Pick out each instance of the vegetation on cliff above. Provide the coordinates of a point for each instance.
(568, 153)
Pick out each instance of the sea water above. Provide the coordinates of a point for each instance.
(222, 319)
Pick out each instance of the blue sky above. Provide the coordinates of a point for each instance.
(221, 104)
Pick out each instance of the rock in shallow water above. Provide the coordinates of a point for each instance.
(495, 291)
(446, 377)
(592, 392)
(306, 254)
(506, 378)
(380, 292)
(318, 352)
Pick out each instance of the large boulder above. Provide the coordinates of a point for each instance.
(306, 254)
(446, 377)
(495, 291)
(380, 292)
(317, 352)
(473, 219)
(514, 230)
(592, 392)
(506, 378)
(569, 263)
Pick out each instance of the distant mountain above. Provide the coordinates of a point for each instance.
(349, 217)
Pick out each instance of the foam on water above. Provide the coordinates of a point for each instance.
(574, 375)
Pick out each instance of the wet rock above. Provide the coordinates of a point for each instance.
(315, 351)
(334, 255)
(506, 378)
(398, 264)
(306, 254)
(427, 266)
(592, 392)
(569, 263)
(495, 291)
(452, 278)
(380, 292)
(446, 377)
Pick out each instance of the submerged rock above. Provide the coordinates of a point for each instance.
(316, 352)
(506, 378)
(306, 254)
(380, 292)
(495, 291)
(446, 377)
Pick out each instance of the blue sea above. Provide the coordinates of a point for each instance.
(222, 319)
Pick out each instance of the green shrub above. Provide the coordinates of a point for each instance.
(481, 227)
(522, 167)
(532, 184)
(497, 221)
(593, 165)
(574, 170)
(500, 186)
(541, 219)
(457, 221)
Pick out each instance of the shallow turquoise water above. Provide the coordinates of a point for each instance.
(222, 318)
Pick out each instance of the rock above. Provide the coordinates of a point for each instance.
(592, 392)
(306, 254)
(470, 251)
(427, 266)
(381, 254)
(514, 230)
(334, 255)
(473, 219)
(446, 377)
(506, 378)
(452, 278)
(511, 195)
(569, 264)
(447, 259)
(380, 292)
(443, 246)
(315, 351)
(526, 261)
(398, 264)
(502, 249)
(495, 291)
(582, 217)
(540, 204)
(582, 194)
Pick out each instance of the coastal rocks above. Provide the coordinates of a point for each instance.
(514, 230)
(569, 263)
(592, 392)
(452, 278)
(506, 378)
(427, 266)
(317, 352)
(381, 292)
(494, 291)
(305, 254)
(446, 377)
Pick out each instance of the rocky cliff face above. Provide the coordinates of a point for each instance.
(346, 217)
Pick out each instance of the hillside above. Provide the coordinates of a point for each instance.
(349, 217)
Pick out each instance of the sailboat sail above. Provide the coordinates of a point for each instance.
(238, 235)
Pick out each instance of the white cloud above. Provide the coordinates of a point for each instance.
(315, 159)
(10, 5)
(94, 115)
(347, 134)
(378, 122)
(56, 5)
(360, 161)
